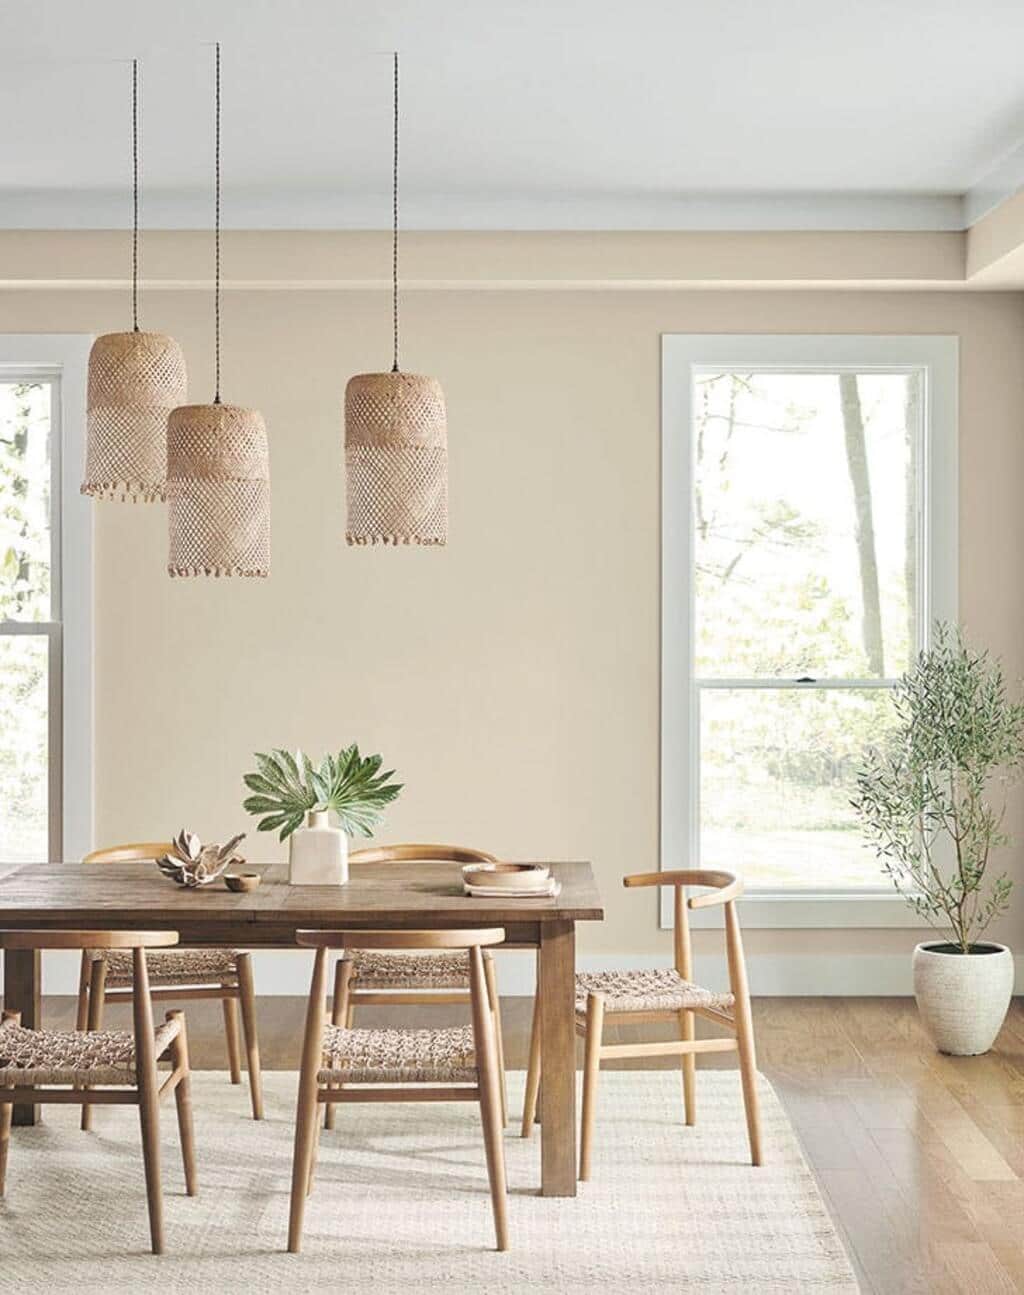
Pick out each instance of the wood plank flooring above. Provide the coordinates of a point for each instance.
(920, 1156)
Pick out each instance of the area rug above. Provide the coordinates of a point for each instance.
(401, 1201)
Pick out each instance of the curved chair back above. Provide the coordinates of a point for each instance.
(720, 888)
(87, 939)
(136, 852)
(421, 854)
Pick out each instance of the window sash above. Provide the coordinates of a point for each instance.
(684, 359)
(52, 629)
(60, 360)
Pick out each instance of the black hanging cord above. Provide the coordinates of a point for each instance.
(394, 228)
(135, 195)
(216, 235)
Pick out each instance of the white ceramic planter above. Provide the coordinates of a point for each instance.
(963, 998)
(318, 853)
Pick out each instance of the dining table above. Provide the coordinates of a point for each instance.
(390, 895)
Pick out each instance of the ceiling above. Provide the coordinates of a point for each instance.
(518, 114)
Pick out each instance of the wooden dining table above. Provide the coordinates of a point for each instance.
(125, 896)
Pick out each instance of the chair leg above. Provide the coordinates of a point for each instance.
(306, 1112)
(6, 1115)
(494, 1003)
(748, 1077)
(149, 1121)
(591, 1070)
(490, 1099)
(6, 1118)
(341, 1005)
(744, 1029)
(532, 1072)
(231, 1035)
(183, 1102)
(687, 1032)
(82, 1014)
(247, 998)
(97, 997)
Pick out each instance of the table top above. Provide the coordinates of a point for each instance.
(120, 894)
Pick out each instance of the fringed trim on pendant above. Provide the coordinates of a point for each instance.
(124, 491)
(217, 571)
(363, 540)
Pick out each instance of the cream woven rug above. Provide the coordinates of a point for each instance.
(401, 1202)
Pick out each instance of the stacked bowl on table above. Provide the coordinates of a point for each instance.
(509, 881)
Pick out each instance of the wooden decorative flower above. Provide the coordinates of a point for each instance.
(191, 864)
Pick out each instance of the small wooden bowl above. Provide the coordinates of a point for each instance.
(243, 881)
(513, 876)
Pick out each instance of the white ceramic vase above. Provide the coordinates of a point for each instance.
(963, 998)
(318, 853)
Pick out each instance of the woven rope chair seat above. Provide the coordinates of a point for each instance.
(172, 966)
(398, 1056)
(70, 1056)
(660, 990)
(373, 970)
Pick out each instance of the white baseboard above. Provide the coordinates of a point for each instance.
(283, 972)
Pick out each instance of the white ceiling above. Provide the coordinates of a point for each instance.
(556, 114)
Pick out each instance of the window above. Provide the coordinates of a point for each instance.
(809, 544)
(45, 577)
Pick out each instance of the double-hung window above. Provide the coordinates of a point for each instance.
(809, 544)
(45, 602)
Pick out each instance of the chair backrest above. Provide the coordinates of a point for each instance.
(323, 941)
(138, 942)
(135, 852)
(421, 854)
(436, 939)
(720, 888)
(87, 939)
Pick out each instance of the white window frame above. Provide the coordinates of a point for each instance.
(936, 358)
(62, 360)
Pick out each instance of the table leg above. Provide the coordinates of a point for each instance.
(558, 1059)
(22, 990)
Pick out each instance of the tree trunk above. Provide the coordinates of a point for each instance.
(857, 465)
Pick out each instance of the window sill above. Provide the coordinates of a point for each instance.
(795, 910)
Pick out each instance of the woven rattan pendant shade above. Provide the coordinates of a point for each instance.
(396, 436)
(218, 464)
(135, 380)
(396, 459)
(218, 492)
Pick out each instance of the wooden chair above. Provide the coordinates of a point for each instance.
(180, 976)
(340, 1064)
(611, 997)
(108, 1068)
(376, 976)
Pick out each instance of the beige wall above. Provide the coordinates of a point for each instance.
(512, 678)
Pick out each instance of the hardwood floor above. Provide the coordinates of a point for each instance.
(920, 1156)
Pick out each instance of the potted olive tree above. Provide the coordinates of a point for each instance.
(933, 803)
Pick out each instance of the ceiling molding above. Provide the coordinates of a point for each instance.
(995, 187)
(275, 260)
(83, 209)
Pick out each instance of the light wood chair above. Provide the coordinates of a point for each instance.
(109, 1067)
(376, 976)
(180, 976)
(613, 997)
(340, 1064)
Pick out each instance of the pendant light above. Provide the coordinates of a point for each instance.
(218, 466)
(396, 440)
(135, 380)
